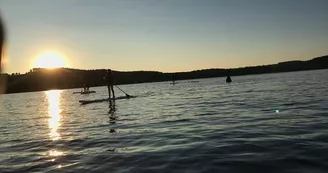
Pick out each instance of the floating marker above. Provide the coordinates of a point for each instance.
(277, 111)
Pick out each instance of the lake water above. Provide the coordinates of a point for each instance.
(257, 123)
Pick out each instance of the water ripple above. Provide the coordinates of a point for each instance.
(258, 123)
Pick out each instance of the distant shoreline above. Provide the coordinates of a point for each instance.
(66, 78)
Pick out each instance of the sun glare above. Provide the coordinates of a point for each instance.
(50, 60)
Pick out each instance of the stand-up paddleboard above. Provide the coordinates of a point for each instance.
(103, 100)
(193, 81)
(85, 92)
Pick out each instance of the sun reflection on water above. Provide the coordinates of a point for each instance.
(55, 153)
(54, 113)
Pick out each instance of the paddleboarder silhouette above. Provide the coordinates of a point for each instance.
(110, 84)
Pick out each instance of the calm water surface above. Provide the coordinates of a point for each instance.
(258, 123)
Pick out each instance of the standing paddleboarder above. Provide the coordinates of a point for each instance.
(110, 84)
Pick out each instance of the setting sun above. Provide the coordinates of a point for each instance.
(50, 60)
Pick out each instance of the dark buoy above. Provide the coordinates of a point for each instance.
(228, 80)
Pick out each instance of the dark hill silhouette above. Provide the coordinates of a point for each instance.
(64, 78)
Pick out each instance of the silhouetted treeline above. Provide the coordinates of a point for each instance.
(64, 78)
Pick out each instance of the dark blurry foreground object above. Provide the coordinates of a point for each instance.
(2, 40)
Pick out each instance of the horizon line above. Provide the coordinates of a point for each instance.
(297, 60)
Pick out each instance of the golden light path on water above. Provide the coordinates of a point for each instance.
(54, 113)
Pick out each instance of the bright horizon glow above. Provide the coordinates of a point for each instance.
(50, 60)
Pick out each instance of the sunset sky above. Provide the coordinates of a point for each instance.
(164, 35)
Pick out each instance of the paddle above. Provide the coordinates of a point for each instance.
(123, 91)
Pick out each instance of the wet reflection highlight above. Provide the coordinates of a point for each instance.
(54, 111)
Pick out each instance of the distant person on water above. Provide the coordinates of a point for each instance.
(173, 79)
(84, 88)
(110, 83)
(228, 80)
(87, 88)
